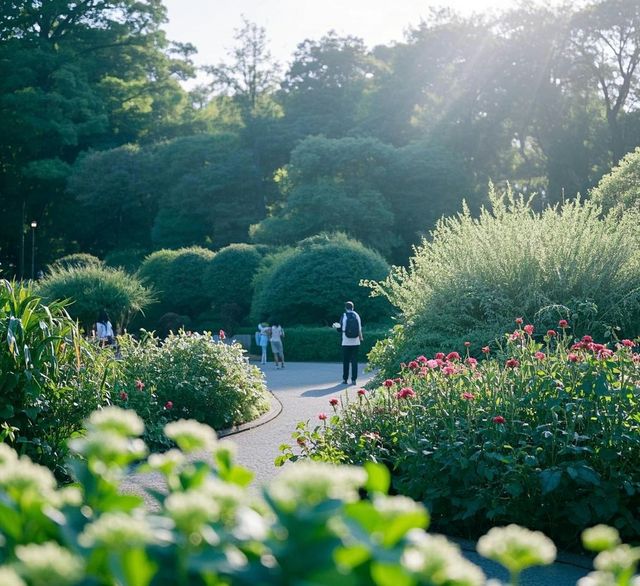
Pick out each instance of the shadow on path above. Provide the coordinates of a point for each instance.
(324, 391)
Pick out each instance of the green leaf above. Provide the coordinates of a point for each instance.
(390, 575)
(137, 568)
(378, 478)
(350, 557)
(550, 480)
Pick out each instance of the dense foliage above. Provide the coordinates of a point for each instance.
(93, 289)
(544, 434)
(50, 379)
(311, 526)
(473, 275)
(541, 96)
(188, 375)
(310, 283)
(621, 187)
(177, 277)
(76, 260)
(228, 281)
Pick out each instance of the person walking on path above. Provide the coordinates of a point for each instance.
(277, 333)
(265, 332)
(351, 328)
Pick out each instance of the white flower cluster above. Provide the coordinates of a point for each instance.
(118, 531)
(191, 436)
(309, 483)
(22, 479)
(8, 577)
(438, 561)
(517, 548)
(617, 560)
(48, 564)
(600, 538)
(191, 510)
(120, 421)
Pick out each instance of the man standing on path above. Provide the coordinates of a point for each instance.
(351, 327)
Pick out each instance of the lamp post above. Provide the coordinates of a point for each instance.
(34, 225)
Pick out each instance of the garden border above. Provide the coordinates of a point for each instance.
(273, 413)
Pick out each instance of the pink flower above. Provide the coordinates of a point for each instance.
(636, 357)
(168, 405)
(322, 416)
(448, 370)
(432, 363)
(362, 392)
(139, 385)
(529, 329)
(573, 357)
(405, 393)
(453, 356)
(222, 335)
(388, 383)
(124, 396)
(587, 339)
(605, 353)
(627, 343)
(551, 333)
(413, 365)
(499, 419)
(468, 396)
(422, 359)
(439, 356)
(486, 349)
(333, 402)
(540, 355)
(519, 320)
(467, 344)
(512, 363)
(515, 336)
(472, 362)
(563, 323)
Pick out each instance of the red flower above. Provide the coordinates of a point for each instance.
(519, 320)
(636, 357)
(333, 402)
(448, 370)
(468, 396)
(512, 363)
(432, 363)
(499, 419)
(405, 393)
(453, 356)
(573, 357)
(587, 339)
(516, 335)
(413, 365)
(322, 416)
(529, 329)
(139, 385)
(168, 405)
(388, 383)
(486, 349)
(467, 344)
(551, 333)
(222, 335)
(439, 356)
(124, 396)
(362, 392)
(422, 359)
(563, 323)
(472, 362)
(540, 355)
(627, 343)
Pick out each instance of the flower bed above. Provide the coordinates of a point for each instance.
(546, 434)
(313, 526)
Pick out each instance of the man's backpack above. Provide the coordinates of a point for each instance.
(351, 327)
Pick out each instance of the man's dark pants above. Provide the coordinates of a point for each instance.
(350, 356)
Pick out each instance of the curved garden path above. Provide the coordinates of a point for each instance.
(300, 392)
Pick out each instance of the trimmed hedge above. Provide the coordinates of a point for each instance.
(318, 344)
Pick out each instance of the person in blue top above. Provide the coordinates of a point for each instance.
(350, 325)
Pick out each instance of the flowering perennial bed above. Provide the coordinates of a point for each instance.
(312, 525)
(543, 432)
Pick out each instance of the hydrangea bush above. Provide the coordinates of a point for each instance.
(317, 523)
(542, 433)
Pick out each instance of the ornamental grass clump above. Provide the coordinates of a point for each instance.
(468, 280)
(316, 524)
(544, 433)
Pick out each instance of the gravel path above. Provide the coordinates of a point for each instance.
(303, 390)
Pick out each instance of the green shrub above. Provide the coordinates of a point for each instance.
(190, 375)
(50, 378)
(321, 344)
(177, 276)
(312, 527)
(128, 259)
(228, 281)
(310, 283)
(621, 187)
(92, 289)
(75, 261)
(474, 274)
(544, 434)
